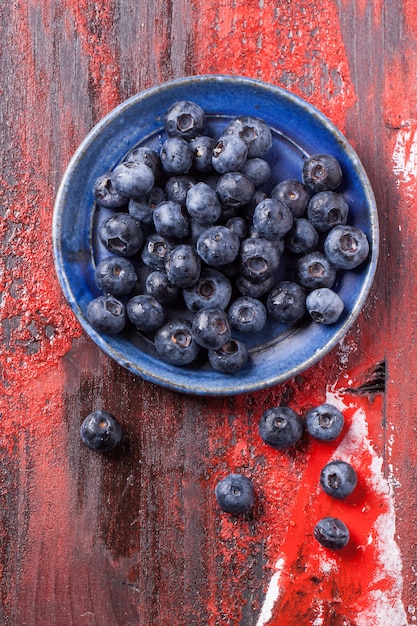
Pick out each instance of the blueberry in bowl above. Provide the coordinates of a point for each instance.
(193, 114)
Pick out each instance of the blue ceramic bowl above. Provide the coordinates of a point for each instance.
(277, 353)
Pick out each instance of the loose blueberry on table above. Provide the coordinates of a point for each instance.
(100, 431)
(280, 427)
(338, 479)
(235, 494)
(325, 422)
(198, 226)
(332, 533)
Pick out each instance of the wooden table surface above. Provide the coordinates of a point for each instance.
(135, 538)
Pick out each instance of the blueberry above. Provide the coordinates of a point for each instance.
(259, 259)
(184, 119)
(294, 194)
(100, 431)
(115, 275)
(238, 225)
(145, 313)
(211, 328)
(332, 533)
(106, 194)
(254, 290)
(254, 131)
(218, 245)
(325, 422)
(106, 314)
(147, 156)
(247, 315)
(229, 154)
(322, 172)
(122, 234)
(272, 218)
(177, 187)
(235, 494)
(302, 237)
(257, 170)
(133, 179)
(324, 305)
(170, 221)
(286, 302)
(176, 156)
(183, 266)
(158, 285)
(143, 208)
(280, 427)
(229, 358)
(174, 342)
(327, 209)
(202, 148)
(155, 251)
(314, 270)
(203, 204)
(213, 289)
(338, 479)
(346, 247)
(235, 189)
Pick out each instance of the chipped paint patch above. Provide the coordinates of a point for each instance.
(272, 594)
(404, 158)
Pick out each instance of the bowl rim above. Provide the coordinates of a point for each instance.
(232, 384)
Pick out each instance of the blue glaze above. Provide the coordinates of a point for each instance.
(277, 352)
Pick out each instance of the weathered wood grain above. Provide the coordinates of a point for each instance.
(135, 538)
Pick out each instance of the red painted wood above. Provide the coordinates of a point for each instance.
(136, 537)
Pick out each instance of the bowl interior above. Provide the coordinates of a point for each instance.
(278, 352)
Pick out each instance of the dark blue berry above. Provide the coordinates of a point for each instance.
(259, 259)
(314, 270)
(158, 285)
(325, 422)
(122, 234)
(324, 305)
(133, 179)
(147, 156)
(332, 533)
(203, 204)
(257, 170)
(272, 218)
(174, 342)
(143, 208)
(247, 315)
(286, 302)
(100, 431)
(322, 172)
(229, 154)
(155, 251)
(235, 494)
(229, 358)
(213, 289)
(255, 290)
(302, 237)
(177, 187)
(239, 226)
(338, 479)
(115, 275)
(106, 194)
(218, 245)
(202, 148)
(184, 119)
(106, 314)
(170, 221)
(145, 313)
(326, 210)
(294, 194)
(176, 156)
(254, 131)
(280, 427)
(211, 328)
(183, 266)
(235, 189)
(346, 247)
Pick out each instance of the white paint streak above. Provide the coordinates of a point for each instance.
(272, 595)
(405, 159)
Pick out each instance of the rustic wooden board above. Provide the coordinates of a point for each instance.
(136, 538)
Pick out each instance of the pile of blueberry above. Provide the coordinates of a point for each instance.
(194, 216)
(281, 428)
